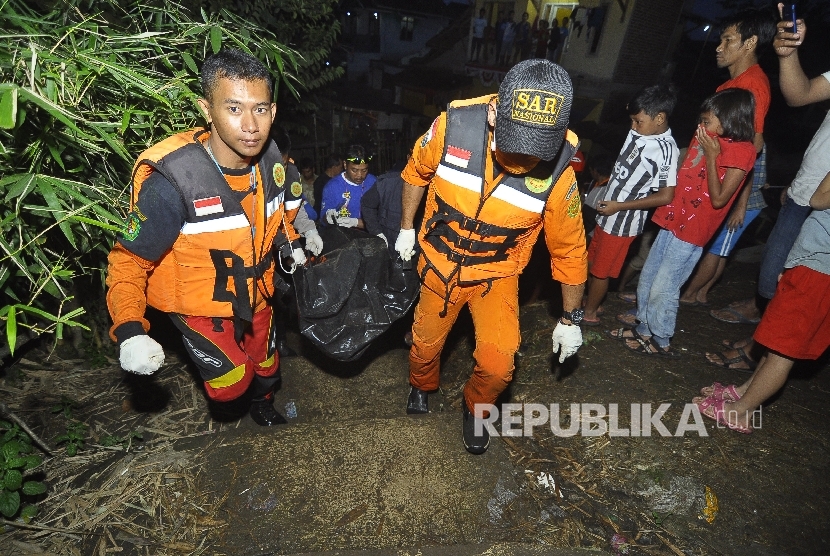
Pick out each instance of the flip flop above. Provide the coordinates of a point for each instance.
(588, 322)
(718, 390)
(731, 316)
(619, 334)
(628, 297)
(629, 319)
(647, 346)
(730, 344)
(712, 408)
(727, 362)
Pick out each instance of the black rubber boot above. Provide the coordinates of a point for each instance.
(475, 444)
(417, 402)
(263, 413)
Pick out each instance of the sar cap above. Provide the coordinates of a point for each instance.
(534, 106)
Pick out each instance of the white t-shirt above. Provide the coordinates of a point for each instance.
(815, 165)
(646, 163)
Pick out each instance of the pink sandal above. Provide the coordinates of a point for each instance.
(718, 390)
(712, 408)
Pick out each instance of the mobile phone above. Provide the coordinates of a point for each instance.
(789, 15)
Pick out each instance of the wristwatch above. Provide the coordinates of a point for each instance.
(574, 316)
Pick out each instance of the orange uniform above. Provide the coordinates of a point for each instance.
(198, 245)
(477, 235)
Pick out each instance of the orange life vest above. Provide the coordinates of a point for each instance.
(470, 236)
(219, 261)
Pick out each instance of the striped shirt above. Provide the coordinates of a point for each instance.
(646, 163)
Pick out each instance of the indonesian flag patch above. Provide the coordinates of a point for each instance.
(458, 157)
(211, 205)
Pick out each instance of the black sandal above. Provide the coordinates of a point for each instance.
(727, 362)
(647, 346)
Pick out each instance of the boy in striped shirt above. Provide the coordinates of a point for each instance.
(644, 177)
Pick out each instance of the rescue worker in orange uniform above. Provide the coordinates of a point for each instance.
(496, 172)
(205, 208)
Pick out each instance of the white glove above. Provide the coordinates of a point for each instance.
(313, 242)
(299, 256)
(405, 244)
(383, 237)
(346, 221)
(331, 214)
(566, 340)
(141, 355)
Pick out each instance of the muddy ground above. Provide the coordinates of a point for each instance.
(623, 495)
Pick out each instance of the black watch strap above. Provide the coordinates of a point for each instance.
(574, 316)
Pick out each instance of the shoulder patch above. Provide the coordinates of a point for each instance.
(133, 227)
(279, 174)
(538, 185)
(430, 133)
(574, 207)
(296, 189)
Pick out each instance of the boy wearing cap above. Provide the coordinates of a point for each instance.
(495, 171)
(644, 177)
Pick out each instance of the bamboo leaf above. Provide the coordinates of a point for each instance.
(59, 213)
(8, 109)
(188, 59)
(56, 156)
(11, 329)
(216, 38)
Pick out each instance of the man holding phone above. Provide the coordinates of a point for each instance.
(798, 90)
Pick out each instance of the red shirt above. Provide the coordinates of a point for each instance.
(691, 216)
(755, 81)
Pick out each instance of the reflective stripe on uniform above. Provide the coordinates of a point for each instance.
(519, 199)
(216, 225)
(228, 379)
(268, 362)
(459, 178)
(502, 192)
(291, 205)
(274, 204)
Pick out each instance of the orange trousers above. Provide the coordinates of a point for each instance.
(496, 323)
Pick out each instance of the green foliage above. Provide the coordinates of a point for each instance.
(65, 407)
(309, 26)
(85, 86)
(124, 441)
(74, 437)
(16, 459)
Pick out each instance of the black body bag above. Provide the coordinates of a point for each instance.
(351, 293)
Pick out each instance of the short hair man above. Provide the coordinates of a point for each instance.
(206, 205)
(495, 170)
(342, 194)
